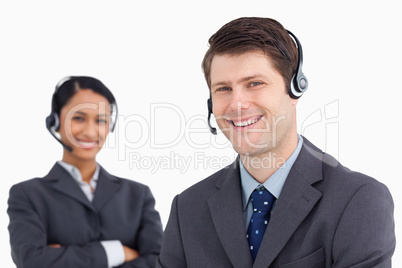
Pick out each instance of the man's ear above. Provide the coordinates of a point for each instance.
(294, 101)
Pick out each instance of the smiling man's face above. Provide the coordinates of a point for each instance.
(251, 104)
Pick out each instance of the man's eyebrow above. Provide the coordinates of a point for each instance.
(247, 78)
(251, 77)
(244, 79)
(220, 83)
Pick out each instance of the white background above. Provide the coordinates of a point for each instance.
(149, 54)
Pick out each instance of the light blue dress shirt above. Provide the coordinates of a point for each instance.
(113, 248)
(274, 184)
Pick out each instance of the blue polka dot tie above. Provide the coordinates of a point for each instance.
(262, 203)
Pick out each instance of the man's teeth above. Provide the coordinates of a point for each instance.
(245, 123)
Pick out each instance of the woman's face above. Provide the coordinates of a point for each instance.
(84, 125)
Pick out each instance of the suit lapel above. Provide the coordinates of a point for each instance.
(226, 212)
(62, 182)
(297, 199)
(106, 188)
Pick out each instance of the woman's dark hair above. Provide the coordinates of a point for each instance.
(251, 34)
(68, 86)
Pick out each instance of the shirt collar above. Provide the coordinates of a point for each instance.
(275, 183)
(76, 174)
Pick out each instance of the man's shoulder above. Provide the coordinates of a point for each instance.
(210, 184)
(344, 175)
(341, 178)
(330, 167)
(341, 187)
(205, 184)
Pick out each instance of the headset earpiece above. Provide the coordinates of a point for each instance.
(52, 121)
(53, 125)
(49, 121)
(113, 117)
(298, 85)
(209, 104)
(299, 82)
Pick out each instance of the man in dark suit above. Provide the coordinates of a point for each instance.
(283, 202)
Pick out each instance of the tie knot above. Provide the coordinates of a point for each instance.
(262, 200)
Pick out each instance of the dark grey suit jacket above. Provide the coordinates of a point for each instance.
(326, 216)
(54, 210)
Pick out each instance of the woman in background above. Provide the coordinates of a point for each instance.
(79, 215)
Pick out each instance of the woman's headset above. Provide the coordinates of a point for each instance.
(298, 83)
(53, 121)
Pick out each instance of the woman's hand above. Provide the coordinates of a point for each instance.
(130, 254)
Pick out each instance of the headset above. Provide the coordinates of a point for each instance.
(53, 121)
(298, 83)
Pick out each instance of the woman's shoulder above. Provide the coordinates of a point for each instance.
(127, 182)
(54, 173)
(29, 186)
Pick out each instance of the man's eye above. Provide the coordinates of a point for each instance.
(102, 121)
(223, 89)
(255, 84)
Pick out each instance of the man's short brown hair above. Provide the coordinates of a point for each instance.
(250, 34)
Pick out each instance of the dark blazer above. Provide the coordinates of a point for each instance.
(54, 210)
(326, 216)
